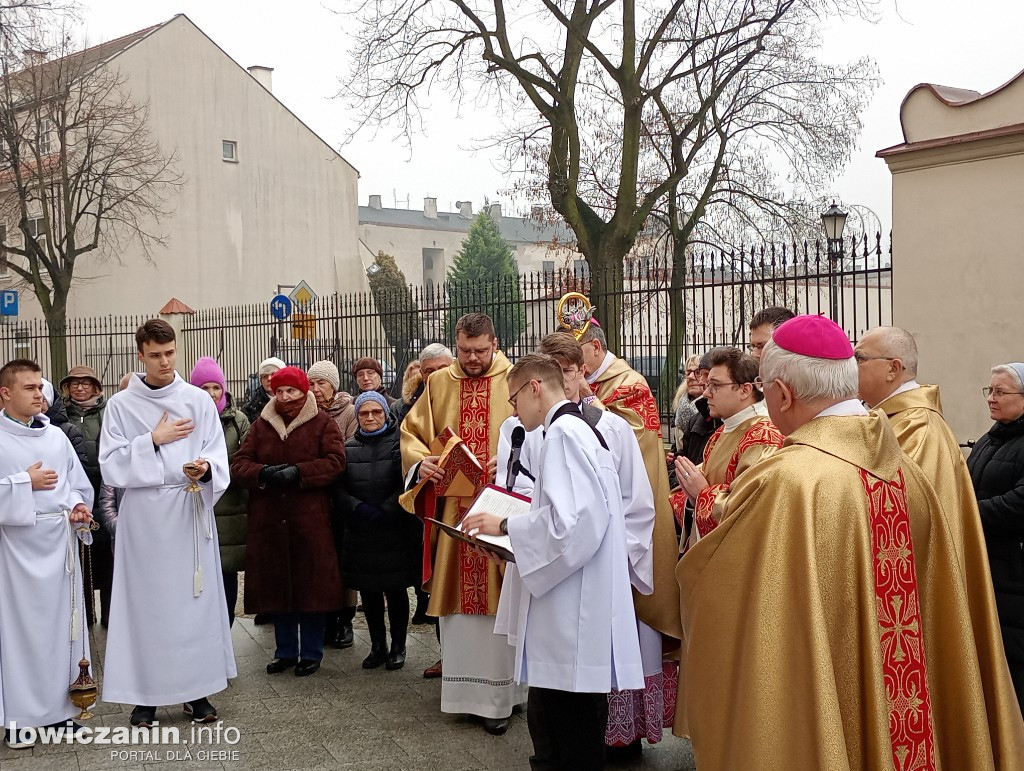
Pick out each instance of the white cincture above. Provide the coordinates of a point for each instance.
(201, 523)
(70, 557)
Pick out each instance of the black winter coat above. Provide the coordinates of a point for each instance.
(58, 415)
(383, 544)
(997, 469)
(254, 405)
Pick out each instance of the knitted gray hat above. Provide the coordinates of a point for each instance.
(326, 371)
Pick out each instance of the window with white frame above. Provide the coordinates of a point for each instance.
(44, 136)
(37, 230)
(229, 150)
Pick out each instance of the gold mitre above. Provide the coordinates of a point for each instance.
(575, 313)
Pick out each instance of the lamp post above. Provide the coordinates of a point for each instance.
(833, 220)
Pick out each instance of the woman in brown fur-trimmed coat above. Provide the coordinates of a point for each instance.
(293, 454)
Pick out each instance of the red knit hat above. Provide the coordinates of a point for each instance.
(290, 376)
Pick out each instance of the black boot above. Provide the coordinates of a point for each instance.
(377, 656)
(396, 657)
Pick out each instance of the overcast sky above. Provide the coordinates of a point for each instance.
(972, 45)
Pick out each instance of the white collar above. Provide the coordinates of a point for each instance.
(910, 385)
(137, 385)
(12, 426)
(551, 413)
(609, 357)
(757, 409)
(843, 409)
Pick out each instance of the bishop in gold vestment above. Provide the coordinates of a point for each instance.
(464, 586)
(826, 617)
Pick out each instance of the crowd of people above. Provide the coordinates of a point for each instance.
(813, 576)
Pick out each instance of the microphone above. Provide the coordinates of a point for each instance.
(518, 437)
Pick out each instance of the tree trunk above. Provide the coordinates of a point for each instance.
(606, 291)
(56, 326)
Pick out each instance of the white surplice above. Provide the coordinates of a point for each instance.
(637, 498)
(511, 587)
(168, 640)
(576, 629)
(41, 600)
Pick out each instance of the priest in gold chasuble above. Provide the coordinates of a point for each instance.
(625, 392)
(471, 398)
(887, 362)
(746, 437)
(825, 617)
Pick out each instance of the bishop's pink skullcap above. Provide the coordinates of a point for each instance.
(814, 336)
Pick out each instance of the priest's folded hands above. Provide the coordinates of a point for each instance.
(690, 477)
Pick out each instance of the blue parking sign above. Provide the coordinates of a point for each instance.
(8, 302)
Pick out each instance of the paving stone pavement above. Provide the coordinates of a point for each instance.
(343, 717)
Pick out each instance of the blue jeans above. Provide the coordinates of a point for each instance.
(300, 635)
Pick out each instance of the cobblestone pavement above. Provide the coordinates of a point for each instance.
(342, 717)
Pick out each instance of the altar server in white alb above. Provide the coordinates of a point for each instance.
(43, 511)
(162, 442)
(576, 632)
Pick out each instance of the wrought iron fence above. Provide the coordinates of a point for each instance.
(667, 315)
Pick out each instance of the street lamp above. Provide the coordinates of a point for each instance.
(833, 220)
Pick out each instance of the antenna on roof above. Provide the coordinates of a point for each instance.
(398, 200)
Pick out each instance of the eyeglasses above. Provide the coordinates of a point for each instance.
(861, 358)
(371, 413)
(758, 346)
(80, 384)
(692, 373)
(712, 386)
(570, 373)
(763, 386)
(999, 394)
(513, 397)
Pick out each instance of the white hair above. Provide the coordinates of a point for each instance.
(1006, 369)
(809, 378)
(436, 351)
(900, 344)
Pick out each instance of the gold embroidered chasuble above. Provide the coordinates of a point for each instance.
(924, 435)
(726, 456)
(803, 613)
(474, 408)
(624, 392)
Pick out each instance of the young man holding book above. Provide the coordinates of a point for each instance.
(576, 637)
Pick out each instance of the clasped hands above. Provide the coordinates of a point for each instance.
(281, 475)
(689, 477)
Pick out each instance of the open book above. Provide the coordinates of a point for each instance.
(492, 500)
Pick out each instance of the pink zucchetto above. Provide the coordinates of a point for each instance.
(814, 336)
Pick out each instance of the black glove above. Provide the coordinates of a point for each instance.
(267, 472)
(284, 476)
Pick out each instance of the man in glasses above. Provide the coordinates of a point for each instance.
(746, 436)
(887, 363)
(826, 615)
(472, 398)
(763, 323)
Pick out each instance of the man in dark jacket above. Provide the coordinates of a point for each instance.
(258, 398)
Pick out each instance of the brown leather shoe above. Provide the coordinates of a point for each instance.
(433, 671)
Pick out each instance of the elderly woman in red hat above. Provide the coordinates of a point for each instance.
(289, 460)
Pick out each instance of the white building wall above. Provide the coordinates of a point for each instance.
(287, 211)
